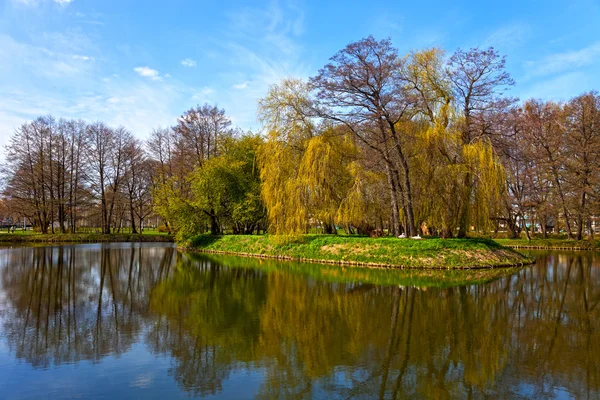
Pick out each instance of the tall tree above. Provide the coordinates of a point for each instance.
(106, 159)
(582, 141)
(362, 88)
(479, 81)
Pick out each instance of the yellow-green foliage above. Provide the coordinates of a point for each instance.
(284, 196)
(363, 200)
(489, 175)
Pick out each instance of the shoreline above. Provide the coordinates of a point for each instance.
(85, 238)
(387, 253)
(550, 244)
(359, 264)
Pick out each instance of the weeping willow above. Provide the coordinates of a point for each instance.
(363, 203)
(444, 163)
(305, 186)
(489, 176)
(281, 189)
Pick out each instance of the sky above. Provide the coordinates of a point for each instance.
(141, 64)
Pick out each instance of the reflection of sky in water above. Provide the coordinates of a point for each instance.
(134, 374)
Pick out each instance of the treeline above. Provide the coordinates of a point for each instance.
(199, 175)
(376, 143)
(64, 175)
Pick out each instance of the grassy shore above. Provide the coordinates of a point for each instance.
(364, 251)
(82, 238)
(550, 244)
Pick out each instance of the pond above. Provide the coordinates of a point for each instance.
(147, 321)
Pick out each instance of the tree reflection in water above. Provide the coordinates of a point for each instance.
(531, 333)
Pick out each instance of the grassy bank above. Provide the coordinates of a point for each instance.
(550, 244)
(364, 251)
(82, 238)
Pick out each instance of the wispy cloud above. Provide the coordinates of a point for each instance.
(240, 86)
(508, 36)
(78, 88)
(148, 73)
(67, 74)
(565, 61)
(82, 58)
(28, 61)
(261, 46)
(35, 2)
(188, 62)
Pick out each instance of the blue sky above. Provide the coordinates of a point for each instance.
(140, 64)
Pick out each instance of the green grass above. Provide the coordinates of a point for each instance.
(20, 237)
(375, 276)
(365, 251)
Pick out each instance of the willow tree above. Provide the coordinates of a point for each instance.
(440, 156)
(364, 202)
(306, 166)
(285, 112)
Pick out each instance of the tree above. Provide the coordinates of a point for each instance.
(362, 89)
(286, 114)
(582, 165)
(106, 150)
(138, 179)
(201, 129)
(226, 188)
(479, 81)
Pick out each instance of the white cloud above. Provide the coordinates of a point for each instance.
(58, 77)
(67, 75)
(565, 61)
(188, 62)
(35, 2)
(148, 73)
(240, 86)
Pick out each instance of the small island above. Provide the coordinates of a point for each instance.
(365, 251)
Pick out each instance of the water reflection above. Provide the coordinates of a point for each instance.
(534, 332)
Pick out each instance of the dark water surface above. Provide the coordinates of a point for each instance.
(145, 321)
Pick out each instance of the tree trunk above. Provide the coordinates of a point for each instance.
(580, 217)
(132, 214)
(406, 188)
(214, 224)
(463, 216)
(394, 197)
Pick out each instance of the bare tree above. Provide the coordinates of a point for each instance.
(362, 88)
(106, 160)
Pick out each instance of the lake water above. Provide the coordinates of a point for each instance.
(146, 321)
